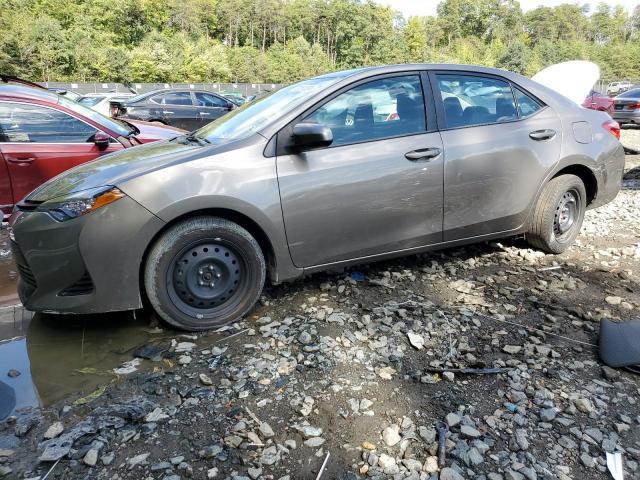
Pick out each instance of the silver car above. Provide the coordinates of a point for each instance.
(626, 107)
(343, 168)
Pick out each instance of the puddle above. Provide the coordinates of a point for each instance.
(8, 274)
(63, 355)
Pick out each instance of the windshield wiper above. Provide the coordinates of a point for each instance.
(191, 138)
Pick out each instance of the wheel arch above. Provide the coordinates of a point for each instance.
(228, 214)
(585, 174)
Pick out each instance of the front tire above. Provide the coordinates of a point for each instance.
(203, 273)
(558, 215)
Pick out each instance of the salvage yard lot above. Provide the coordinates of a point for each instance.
(346, 364)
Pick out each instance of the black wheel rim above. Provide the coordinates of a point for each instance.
(206, 277)
(566, 214)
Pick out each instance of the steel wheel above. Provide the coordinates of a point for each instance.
(567, 211)
(204, 276)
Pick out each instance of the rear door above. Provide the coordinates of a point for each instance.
(499, 144)
(377, 188)
(40, 142)
(210, 106)
(178, 110)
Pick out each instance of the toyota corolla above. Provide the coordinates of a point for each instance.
(344, 168)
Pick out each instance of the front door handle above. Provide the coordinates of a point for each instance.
(545, 134)
(21, 160)
(204, 113)
(423, 154)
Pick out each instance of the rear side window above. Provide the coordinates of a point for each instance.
(177, 98)
(35, 124)
(526, 104)
(208, 100)
(374, 110)
(474, 100)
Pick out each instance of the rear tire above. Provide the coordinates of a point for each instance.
(558, 215)
(203, 273)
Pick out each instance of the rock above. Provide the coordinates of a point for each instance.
(613, 300)
(469, 432)
(610, 374)
(587, 460)
(450, 474)
(305, 338)
(309, 431)
(521, 439)
(212, 472)
(512, 349)
(431, 465)
(512, 475)
(368, 446)
(54, 430)
(391, 435)
(184, 359)
(428, 434)
(91, 457)
(416, 341)
(385, 461)
(269, 456)
(449, 376)
(5, 471)
(452, 419)
(548, 414)
(156, 415)
(137, 460)
(314, 442)
(185, 347)
(584, 405)
(205, 379)
(254, 473)
(265, 430)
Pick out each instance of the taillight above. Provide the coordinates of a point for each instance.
(612, 127)
(634, 106)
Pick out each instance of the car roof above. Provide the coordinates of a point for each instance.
(27, 93)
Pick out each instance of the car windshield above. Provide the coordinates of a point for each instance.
(90, 101)
(251, 117)
(120, 128)
(631, 93)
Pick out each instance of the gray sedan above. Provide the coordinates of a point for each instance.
(626, 107)
(344, 168)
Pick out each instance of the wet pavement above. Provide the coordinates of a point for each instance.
(8, 274)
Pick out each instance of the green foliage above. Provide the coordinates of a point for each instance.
(286, 40)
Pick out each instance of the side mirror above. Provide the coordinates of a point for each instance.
(311, 135)
(101, 140)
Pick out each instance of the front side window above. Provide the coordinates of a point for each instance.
(475, 100)
(35, 124)
(374, 110)
(208, 100)
(526, 104)
(177, 98)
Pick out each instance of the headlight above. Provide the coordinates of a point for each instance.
(80, 203)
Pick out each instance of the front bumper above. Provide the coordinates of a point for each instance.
(621, 116)
(90, 264)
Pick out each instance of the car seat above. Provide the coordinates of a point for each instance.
(452, 111)
(410, 114)
(505, 109)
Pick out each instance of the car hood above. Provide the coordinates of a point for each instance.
(150, 132)
(573, 79)
(117, 168)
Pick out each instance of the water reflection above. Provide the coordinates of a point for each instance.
(63, 355)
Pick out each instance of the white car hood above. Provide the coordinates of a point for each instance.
(573, 79)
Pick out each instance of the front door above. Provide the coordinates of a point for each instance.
(210, 107)
(500, 143)
(377, 188)
(39, 142)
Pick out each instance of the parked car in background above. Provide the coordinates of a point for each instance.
(101, 102)
(311, 178)
(43, 134)
(182, 108)
(70, 94)
(626, 107)
(615, 88)
(597, 101)
(236, 98)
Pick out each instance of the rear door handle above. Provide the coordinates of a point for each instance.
(20, 160)
(423, 154)
(205, 113)
(545, 134)
(167, 112)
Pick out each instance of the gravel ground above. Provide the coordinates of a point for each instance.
(359, 368)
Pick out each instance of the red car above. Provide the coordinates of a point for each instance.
(597, 101)
(42, 134)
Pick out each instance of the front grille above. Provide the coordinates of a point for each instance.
(84, 286)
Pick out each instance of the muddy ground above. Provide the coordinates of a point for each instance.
(356, 368)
